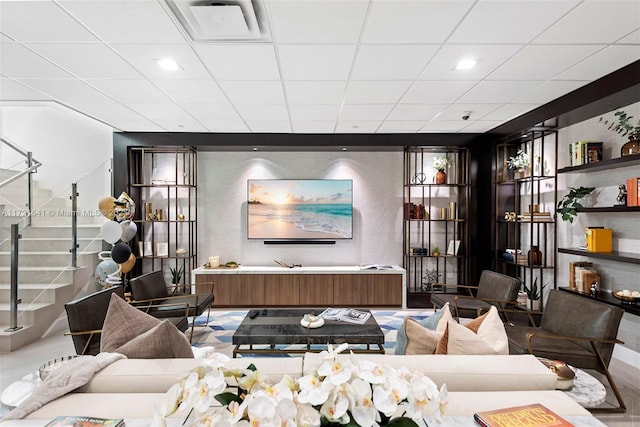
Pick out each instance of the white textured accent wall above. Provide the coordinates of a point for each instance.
(377, 206)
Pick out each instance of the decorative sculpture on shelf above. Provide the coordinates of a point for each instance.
(429, 279)
(621, 200)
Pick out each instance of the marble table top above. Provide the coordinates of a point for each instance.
(587, 390)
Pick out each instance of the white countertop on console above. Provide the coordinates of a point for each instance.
(249, 269)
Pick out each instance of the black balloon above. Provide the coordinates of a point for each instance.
(120, 252)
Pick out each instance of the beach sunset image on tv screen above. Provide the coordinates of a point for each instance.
(300, 209)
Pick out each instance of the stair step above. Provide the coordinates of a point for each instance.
(42, 259)
(61, 230)
(55, 244)
(29, 292)
(38, 274)
(26, 313)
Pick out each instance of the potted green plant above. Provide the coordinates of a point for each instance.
(625, 127)
(569, 204)
(441, 164)
(176, 274)
(534, 295)
(519, 162)
(435, 251)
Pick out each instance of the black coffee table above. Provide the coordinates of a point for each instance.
(277, 330)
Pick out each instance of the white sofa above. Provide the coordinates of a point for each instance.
(131, 388)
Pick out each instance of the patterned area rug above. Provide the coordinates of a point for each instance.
(222, 325)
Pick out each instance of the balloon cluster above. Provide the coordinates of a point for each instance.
(117, 231)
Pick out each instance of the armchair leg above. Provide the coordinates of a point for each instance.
(621, 408)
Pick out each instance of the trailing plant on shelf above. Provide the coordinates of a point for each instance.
(568, 206)
(623, 125)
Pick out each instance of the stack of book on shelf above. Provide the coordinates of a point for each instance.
(536, 216)
(582, 275)
(584, 152)
(633, 191)
(514, 255)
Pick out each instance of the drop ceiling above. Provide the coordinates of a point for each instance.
(325, 66)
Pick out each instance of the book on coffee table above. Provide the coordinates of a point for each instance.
(346, 315)
(78, 421)
(534, 415)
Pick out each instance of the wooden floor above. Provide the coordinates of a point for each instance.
(21, 362)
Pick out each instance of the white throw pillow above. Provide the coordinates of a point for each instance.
(491, 337)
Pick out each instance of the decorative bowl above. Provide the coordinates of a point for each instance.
(627, 296)
(52, 365)
(312, 321)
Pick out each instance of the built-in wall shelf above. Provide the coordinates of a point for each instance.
(604, 164)
(606, 297)
(628, 257)
(609, 209)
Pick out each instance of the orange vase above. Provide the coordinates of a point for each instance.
(441, 177)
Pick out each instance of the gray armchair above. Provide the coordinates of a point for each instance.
(149, 293)
(493, 289)
(579, 331)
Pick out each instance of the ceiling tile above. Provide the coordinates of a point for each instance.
(509, 111)
(422, 112)
(192, 91)
(313, 126)
(509, 21)
(314, 112)
(364, 112)
(413, 21)
(474, 111)
(316, 92)
(87, 60)
(436, 92)
(633, 38)
(182, 125)
(239, 61)
(542, 62)
(389, 126)
(125, 20)
(19, 62)
(482, 126)
(548, 91)
(489, 57)
(145, 58)
(299, 62)
(251, 92)
(443, 126)
(41, 21)
(226, 125)
(15, 91)
(317, 21)
(498, 91)
(212, 112)
(358, 126)
(392, 62)
(130, 91)
(584, 24)
(159, 111)
(138, 125)
(375, 92)
(67, 90)
(106, 111)
(594, 67)
(265, 112)
(269, 126)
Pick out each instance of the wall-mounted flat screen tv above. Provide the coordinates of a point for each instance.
(300, 209)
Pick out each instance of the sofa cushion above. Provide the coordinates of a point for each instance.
(484, 335)
(131, 332)
(157, 375)
(463, 372)
(422, 339)
(161, 341)
(430, 323)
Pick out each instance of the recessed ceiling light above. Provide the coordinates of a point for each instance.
(168, 64)
(255, 148)
(344, 148)
(466, 64)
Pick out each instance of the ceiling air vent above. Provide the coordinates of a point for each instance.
(210, 21)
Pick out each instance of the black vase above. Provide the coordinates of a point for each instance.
(535, 256)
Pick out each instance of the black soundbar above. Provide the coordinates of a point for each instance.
(299, 242)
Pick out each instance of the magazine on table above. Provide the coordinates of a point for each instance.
(346, 315)
(77, 421)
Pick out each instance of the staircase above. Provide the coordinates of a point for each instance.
(45, 279)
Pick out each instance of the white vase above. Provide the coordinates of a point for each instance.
(533, 304)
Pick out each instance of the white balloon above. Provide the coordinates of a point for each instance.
(129, 230)
(102, 255)
(111, 231)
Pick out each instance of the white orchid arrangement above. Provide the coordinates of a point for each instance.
(519, 161)
(342, 391)
(441, 163)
